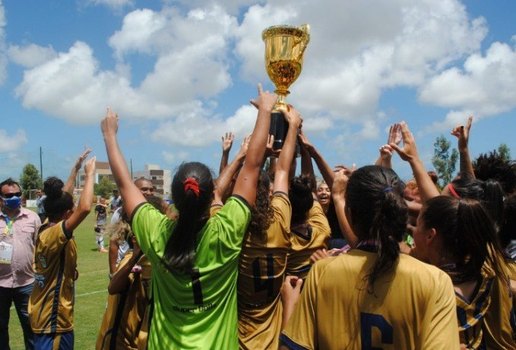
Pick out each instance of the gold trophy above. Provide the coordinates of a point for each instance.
(284, 48)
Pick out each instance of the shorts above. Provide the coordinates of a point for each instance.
(53, 341)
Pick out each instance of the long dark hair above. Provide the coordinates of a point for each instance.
(507, 231)
(374, 198)
(57, 201)
(192, 193)
(301, 197)
(262, 212)
(468, 233)
(489, 192)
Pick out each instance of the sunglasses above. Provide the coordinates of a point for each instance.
(11, 195)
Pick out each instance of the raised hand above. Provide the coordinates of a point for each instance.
(265, 100)
(269, 148)
(109, 124)
(82, 157)
(245, 145)
(227, 141)
(461, 132)
(395, 135)
(409, 150)
(340, 181)
(89, 167)
(292, 115)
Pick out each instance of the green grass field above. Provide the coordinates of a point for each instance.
(90, 292)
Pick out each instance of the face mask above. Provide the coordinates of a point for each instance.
(13, 202)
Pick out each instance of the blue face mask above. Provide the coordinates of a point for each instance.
(12, 203)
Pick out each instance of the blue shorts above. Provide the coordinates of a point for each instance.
(54, 341)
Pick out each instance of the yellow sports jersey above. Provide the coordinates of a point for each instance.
(124, 318)
(500, 319)
(412, 307)
(306, 239)
(261, 272)
(52, 299)
(471, 314)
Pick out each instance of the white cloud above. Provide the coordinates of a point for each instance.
(484, 86)
(175, 157)
(3, 55)
(197, 130)
(11, 142)
(30, 55)
(350, 61)
(115, 4)
(190, 68)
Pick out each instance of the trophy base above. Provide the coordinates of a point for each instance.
(279, 129)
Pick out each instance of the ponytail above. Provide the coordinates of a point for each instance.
(57, 201)
(192, 191)
(378, 212)
(468, 234)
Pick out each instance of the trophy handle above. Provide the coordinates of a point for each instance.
(303, 41)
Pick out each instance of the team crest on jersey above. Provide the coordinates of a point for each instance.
(39, 280)
(43, 261)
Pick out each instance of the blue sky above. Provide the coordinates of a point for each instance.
(181, 73)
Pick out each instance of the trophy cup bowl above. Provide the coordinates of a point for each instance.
(284, 49)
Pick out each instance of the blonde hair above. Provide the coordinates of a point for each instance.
(120, 231)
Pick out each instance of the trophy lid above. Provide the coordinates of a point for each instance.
(303, 31)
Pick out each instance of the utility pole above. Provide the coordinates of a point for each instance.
(41, 163)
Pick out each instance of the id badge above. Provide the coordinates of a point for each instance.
(6, 253)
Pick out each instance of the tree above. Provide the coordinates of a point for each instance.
(30, 179)
(504, 151)
(443, 160)
(105, 187)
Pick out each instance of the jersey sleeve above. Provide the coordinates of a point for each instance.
(440, 327)
(232, 221)
(318, 219)
(299, 332)
(282, 211)
(55, 237)
(148, 225)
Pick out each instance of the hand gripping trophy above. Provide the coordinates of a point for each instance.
(284, 48)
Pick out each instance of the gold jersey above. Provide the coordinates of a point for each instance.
(306, 239)
(411, 307)
(500, 319)
(262, 267)
(123, 325)
(52, 299)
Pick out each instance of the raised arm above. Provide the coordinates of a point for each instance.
(70, 183)
(227, 143)
(338, 193)
(120, 279)
(385, 158)
(84, 206)
(131, 195)
(281, 175)
(225, 178)
(462, 134)
(307, 168)
(324, 168)
(409, 153)
(247, 179)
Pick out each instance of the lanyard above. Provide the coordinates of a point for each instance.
(9, 225)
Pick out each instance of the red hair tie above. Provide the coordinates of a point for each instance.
(191, 184)
(452, 191)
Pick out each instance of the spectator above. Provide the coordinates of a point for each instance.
(18, 231)
(40, 201)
